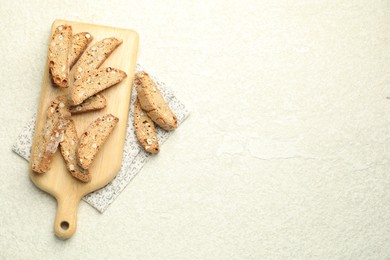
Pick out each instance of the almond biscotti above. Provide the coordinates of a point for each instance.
(59, 55)
(51, 135)
(153, 103)
(92, 103)
(69, 147)
(94, 56)
(92, 140)
(145, 130)
(93, 82)
(80, 42)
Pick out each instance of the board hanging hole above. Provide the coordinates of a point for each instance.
(64, 225)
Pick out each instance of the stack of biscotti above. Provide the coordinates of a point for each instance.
(77, 69)
(149, 108)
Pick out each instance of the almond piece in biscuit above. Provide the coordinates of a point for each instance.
(59, 55)
(94, 56)
(145, 130)
(93, 139)
(92, 103)
(93, 82)
(51, 135)
(80, 42)
(69, 147)
(153, 103)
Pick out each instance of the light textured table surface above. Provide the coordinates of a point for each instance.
(285, 153)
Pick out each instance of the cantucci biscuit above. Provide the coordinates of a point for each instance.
(92, 103)
(80, 42)
(94, 56)
(93, 139)
(153, 103)
(69, 146)
(59, 55)
(145, 130)
(57, 120)
(94, 82)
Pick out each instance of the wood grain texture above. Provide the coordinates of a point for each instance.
(58, 182)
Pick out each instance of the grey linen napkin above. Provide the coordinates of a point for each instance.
(134, 157)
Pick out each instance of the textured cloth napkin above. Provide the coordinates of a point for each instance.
(134, 157)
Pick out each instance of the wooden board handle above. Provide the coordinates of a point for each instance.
(66, 218)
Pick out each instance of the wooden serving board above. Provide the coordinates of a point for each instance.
(58, 182)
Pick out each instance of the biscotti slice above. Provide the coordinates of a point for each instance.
(153, 103)
(51, 135)
(94, 56)
(59, 55)
(92, 140)
(69, 147)
(94, 82)
(145, 130)
(80, 42)
(94, 102)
